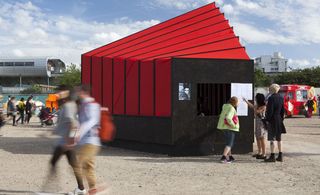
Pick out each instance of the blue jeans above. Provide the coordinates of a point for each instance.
(229, 137)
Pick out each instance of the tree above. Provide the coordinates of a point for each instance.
(71, 77)
(261, 79)
(308, 76)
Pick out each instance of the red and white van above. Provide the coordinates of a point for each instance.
(295, 97)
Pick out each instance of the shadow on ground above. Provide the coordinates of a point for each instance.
(6, 192)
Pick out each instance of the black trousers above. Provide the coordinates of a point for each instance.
(21, 117)
(28, 117)
(72, 160)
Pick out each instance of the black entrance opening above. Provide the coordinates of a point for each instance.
(211, 97)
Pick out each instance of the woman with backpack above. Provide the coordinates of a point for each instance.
(261, 131)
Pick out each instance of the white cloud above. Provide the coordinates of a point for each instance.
(251, 34)
(291, 21)
(18, 53)
(303, 63)
(27, 31)
(228, 9)
(182, 4)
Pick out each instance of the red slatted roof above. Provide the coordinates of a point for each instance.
(203, 32)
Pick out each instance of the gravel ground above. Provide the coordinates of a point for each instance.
(25, 152)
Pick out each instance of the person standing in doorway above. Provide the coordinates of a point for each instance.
(229, 124)
(275, 117)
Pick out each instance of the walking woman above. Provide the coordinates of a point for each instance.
(260, 130)
(28, 110)
(229, 124)
(275, 117)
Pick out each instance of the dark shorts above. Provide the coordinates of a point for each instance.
(229, 137)
(274, 135)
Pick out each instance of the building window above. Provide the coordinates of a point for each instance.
(19, 63)
(302, 95)
(29, 64)
(8, 63)
(1, 63)
(211, 97)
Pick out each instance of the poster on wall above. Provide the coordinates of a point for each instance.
(242, 90)
(184, 91)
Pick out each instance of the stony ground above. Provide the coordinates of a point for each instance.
(25, 152)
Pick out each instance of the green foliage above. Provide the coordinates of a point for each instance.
(261, 79)
(308, 76)
(35, 89)
(71, 77)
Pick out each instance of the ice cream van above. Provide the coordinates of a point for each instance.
(295, 98)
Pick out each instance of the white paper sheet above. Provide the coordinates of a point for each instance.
(242, 90)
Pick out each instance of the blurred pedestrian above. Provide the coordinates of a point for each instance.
(12, 110)
(28, 110)
(89, 140)
(260, 127)
(67, 126)
(229, 124)
(274, 117)
(7, 103)
(318, 104)
(310, 107)
(21, 106)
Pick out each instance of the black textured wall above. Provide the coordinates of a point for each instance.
(191, 131)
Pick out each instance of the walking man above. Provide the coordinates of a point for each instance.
(89, 140)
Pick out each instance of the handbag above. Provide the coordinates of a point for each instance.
(234, 119)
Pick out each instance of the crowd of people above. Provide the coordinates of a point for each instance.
(269, 115)
(22, 107)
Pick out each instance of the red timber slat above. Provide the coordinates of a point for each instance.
(132, 87)
(226, 43)
(215, 30)
(200, 21)
(176, 35)
(197, 42)
(150, 30)
(107, 80)
(163, 87)
(85, 70)
(96, 88)
(234, 53)
(146, 88)
(118, 86)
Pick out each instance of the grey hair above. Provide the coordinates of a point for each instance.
(274, 88)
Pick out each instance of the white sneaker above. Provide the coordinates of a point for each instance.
(77, 191)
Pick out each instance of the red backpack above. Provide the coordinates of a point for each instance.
(107, 130)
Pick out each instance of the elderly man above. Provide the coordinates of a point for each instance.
(274, 117)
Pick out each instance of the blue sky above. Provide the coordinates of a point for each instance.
(67, 28)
